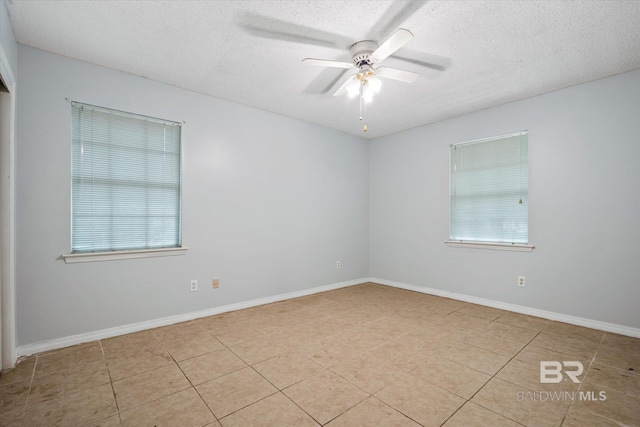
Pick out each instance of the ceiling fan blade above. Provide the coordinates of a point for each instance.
(343, 89)
(435, 62)
(276, 29)
(395, 15)
(396, 74)
(393, 43)
(327, 63)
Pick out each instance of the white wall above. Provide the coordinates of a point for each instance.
(269, 204)
(583, 204)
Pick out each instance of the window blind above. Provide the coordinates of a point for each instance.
(126, 173)
(489, 200)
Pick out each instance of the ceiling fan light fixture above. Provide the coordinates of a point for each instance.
(374, 83)
(353, 89)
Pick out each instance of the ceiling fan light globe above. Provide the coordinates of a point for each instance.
(374, 84)
(353, 89)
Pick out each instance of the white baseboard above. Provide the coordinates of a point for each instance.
(566, 318)
(57, 343)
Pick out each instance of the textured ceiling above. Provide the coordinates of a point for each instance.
(470, 54)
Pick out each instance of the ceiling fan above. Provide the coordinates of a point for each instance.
(365, 56)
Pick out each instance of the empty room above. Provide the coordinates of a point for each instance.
(319, 213)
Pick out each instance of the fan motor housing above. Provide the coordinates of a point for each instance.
(361, 50)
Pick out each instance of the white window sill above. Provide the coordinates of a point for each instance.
(116, 255)
(487, 245)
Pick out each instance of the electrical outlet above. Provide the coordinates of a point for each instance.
(216, 283)
(338, 265)
(194, 285)
(521, 281)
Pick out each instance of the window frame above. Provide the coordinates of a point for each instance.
(519, 247)
(110, 255)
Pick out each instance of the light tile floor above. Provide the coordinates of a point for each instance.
(366, 355)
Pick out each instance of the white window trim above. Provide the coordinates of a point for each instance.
(488, 245)
(118, 255)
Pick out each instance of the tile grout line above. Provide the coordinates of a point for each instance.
(113, 391)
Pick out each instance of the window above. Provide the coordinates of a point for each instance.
(125, 181)
(489, 200)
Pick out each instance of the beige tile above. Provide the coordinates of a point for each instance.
(620, 407)
(423, 402)
(308, 315)
(534, 355)
(404, 356)
(234, 391)
(330, 352)
(325, 395)
(372, 412)
(239, 335)
(14, 396)
(427, 341)
(582, 348)
(362, 340)
(433, 309)
(471, 415)
(184, 409)
(528, 376)
(22, 372)
(335, 307)
(329, 327)
(211, 365)
(275, 410)
(314, 300)
(223, 324)
(367, 372)
(82, 408)
(359, 316)
(113, 421)
(259, 349)
(130, 364)
(391, 327)
(283, 307)
(70, 380)
(580, 417)
(484, 340)
(523, 321)
(488, 313)
(178, 331)
(142, 388)
(131, 343)
(614, 341)
(298, 339)
(449, 302)
(192, 345)
(619, 357)
(66, 358)
(618, 379)
(462, 320)
(517, 403)
(511, 332)
(574, 331)
(12, 419)
(452, 376)
(476, 358)
(285, 370)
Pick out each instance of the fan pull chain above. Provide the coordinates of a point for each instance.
(363, 106)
